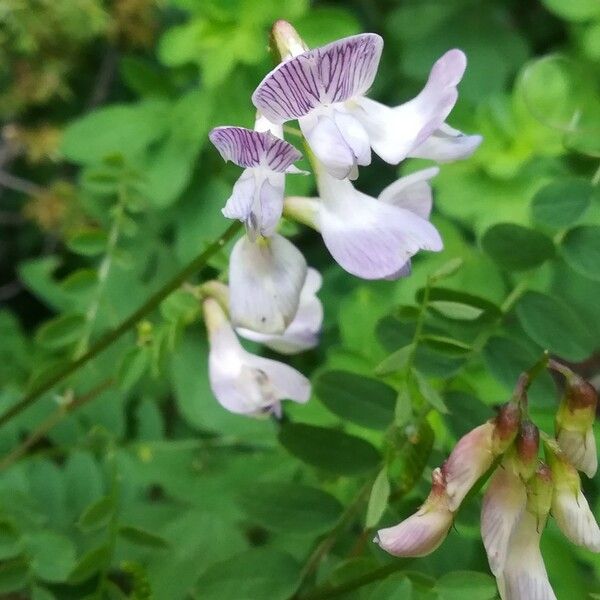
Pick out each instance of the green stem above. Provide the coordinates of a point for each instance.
(51, 421)
(326, 591)
(419, 325)
(103, 271)
(112, 336)
(327, 543)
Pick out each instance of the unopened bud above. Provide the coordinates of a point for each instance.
(574, 421)
(527, 446)
(539, 492)
(506, 426)
(286, 41)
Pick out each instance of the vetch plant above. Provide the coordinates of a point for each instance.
(303, 404)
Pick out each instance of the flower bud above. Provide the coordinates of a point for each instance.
(574, 423)
(569, 506)
(506, 427)
(526, 447)
(421, 533)
(539, 493)
(286, 41)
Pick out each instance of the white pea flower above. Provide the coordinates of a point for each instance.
(503, 505)
(421, 533)
(266, 278)
(325, 90)
(368, 237)
(525, 576)
(257, 198)
(242, 382)
(570, 508)
(475, 452)
(303, 332)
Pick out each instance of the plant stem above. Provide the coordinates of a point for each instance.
(53, 419)
(326, 591)
(112, 336)
(419, 325)
(103, 271)
(327, 543)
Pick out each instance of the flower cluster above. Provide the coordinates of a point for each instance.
(524, 490)
(271, 292)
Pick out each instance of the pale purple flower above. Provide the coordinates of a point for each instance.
(243, 382)
(421, 533)
(303, 332)
(266, 278)
(371, 238)
(257, 197)
(325, 90)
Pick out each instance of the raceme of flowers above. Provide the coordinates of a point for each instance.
(523, 491)
(271, 294)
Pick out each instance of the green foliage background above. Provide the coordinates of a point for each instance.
(150, 489)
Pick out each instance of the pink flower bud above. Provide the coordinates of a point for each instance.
(527, 447)
(421, 533)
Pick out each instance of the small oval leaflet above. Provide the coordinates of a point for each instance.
(329, 449)
(515, 247)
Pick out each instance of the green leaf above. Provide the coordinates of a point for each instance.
(258, 573)
(52, 555)
(395, 361)
(562, 202)
(380, 493)
(413, 448)
(581, 250)
(428, 393)
(574, 10)
(290, 507)
(98, 514)
(119, 129)
(90, 563)
(446, 345)
(515, 247)
(88, 242)
(133, 365)
(466, 584)
(41, 593)
(61, 331)
(329, 449)
(141, 537)
(456, 310)
(456, 304)
(554, 326)
(10, 540)
(82, 281)
(180, 306)
(14, 575)
(358, 399)
(447, 270)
